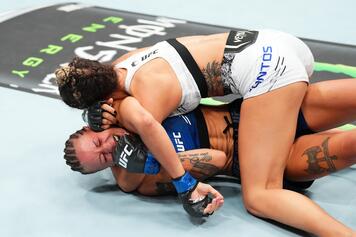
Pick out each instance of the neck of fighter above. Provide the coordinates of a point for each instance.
(120, 93)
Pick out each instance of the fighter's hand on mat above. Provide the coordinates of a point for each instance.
(203, 190)
(194, 196)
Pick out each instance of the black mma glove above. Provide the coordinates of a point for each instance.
(93, 116)
(132, 154)
(185, 185)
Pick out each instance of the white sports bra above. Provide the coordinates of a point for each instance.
(191, 92)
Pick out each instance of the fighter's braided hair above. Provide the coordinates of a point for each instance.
(70, 154)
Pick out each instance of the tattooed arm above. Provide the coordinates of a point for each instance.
(202, 163)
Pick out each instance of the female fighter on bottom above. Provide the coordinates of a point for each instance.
(317, 151)
(269, 69)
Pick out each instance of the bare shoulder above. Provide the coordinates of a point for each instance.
(199, 38)
(127, 55)
(205, 49)
(122, 106)
(128, 103)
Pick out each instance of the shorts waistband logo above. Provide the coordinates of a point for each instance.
(239, 40)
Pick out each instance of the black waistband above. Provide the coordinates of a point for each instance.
(191, 65)
(302, 126)
(202, 129)
(240, 40)
(234, 109)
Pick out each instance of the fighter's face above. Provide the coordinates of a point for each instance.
(94, 150)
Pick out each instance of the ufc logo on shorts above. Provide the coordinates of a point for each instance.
(123, 156)
(178, 141)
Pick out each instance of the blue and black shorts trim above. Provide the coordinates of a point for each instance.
(302, 129)
(302, 126)
(202, 129)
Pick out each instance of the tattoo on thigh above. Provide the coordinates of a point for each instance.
(212, 74)
(314, 159)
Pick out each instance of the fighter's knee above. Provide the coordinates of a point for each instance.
(349, 145)
(253, 201)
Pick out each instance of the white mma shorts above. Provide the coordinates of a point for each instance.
(256, 62)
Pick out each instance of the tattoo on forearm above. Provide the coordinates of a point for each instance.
(314, 161)
(201, 169)
(200, 166)
(204, 170)
(195, 157)
(212, 74)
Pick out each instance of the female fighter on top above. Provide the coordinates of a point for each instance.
(269, 69)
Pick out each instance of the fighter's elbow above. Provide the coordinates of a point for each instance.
(220, 159)
(148, 120)
(126, 187)
(145, 122)
(145, 190)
